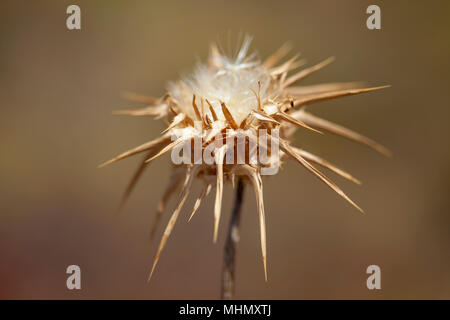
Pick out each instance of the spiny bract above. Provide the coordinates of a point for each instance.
(230, 96)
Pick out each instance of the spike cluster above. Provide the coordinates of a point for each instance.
(228, 96)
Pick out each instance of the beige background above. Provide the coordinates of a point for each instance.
(59, 87)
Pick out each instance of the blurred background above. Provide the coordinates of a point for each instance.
(58, 89)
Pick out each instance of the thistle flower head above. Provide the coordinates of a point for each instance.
(231, 109)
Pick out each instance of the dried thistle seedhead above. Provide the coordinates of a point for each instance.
(225, 99)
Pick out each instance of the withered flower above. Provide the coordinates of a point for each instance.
(230, 98)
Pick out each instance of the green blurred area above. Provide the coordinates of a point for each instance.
(59, 87)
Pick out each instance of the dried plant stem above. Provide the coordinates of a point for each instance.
(229, 257)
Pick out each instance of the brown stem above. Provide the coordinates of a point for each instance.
(229, 258)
